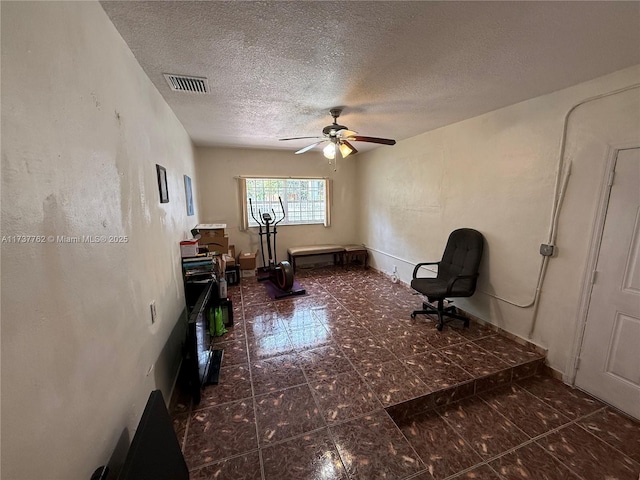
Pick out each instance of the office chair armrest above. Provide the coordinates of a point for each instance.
(415, 270)
(455, 279)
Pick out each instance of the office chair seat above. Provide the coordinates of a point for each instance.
(437, 288)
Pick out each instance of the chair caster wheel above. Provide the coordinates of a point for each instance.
(413, 316)
(440, 327)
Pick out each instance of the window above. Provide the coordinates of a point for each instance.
(305, 200)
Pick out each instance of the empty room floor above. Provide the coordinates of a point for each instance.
(340, 384)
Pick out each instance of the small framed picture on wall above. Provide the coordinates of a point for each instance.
(162, 184)
(188, 195)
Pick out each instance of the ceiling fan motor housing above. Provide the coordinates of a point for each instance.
(332, 129)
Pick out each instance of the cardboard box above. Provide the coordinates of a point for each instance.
(189, 248)
(221, 264)
(216, 244)
(209, 236)
(211, 229)
(247, 273)
(247, 261)
(212, 232)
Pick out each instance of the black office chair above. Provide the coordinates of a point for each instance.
(457, 275)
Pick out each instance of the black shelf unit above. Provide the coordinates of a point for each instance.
(201, 294)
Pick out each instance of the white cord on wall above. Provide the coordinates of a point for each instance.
(559, 192)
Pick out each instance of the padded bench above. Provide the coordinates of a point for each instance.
(311, 250)
(355, 252)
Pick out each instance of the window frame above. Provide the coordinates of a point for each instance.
(248, 222)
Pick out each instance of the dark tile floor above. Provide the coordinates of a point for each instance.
(339, 384)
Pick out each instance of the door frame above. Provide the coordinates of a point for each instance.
(595, 242)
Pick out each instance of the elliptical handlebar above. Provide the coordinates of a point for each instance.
(260, 232)
(252, 215)
(260, 220)
(283, 214)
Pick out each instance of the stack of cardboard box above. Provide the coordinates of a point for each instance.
(216, 240)
(247, 263)
(213, 236)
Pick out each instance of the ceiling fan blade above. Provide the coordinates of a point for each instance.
(383, 141)
(346, 133)
(353, 149)
(309, 147)
(297, 138)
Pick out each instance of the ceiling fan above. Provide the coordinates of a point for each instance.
(339, 138)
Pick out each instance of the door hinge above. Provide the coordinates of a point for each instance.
(611, 177)
(578, 361)
(594, 276)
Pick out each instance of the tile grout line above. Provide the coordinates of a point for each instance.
(534, 440)
(584, 417)
(325, 426)
(329, 432)
(470, 444)
(253, 393)
(223, 459)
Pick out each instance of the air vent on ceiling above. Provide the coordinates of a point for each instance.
(184, 83)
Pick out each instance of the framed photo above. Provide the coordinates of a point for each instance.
(162, 184)
(188, 195)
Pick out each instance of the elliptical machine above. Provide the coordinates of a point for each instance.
(280, 274)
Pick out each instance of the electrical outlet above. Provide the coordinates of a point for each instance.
(154, 313)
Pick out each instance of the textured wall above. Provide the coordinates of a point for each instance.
(496, 173)
(219, 201)
(82, 130)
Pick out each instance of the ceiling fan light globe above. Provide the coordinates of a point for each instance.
(345, 150)
(329, 151)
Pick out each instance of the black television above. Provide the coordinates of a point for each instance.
(155, 452)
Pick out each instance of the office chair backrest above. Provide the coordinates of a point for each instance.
(462, 257)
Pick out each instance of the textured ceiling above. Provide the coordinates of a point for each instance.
(399, 68)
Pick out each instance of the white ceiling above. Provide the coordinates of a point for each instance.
(399, 68)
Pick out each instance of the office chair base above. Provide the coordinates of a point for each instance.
(442, 312)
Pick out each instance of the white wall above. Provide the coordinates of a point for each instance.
(219, 199)
(496, 173)
(82, 130)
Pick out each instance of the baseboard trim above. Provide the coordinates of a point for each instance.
(552, 372)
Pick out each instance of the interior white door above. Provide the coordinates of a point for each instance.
(609, 365)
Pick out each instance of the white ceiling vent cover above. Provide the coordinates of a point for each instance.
(184, 83)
